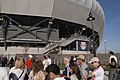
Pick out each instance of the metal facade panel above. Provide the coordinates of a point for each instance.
(88, 3)
(6, 5)
(97, 9)
(101, 30)
(27, 7)
(41, 7)
(94, 5)
(102, 15)
(67, 10)
(21, 6)
(0, 5)
(81, 2)
(45, 7)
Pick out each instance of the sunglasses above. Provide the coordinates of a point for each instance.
(93, 62)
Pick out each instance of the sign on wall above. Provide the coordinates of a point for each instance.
(83, 46)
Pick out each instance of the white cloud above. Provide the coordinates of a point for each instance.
(113, 24)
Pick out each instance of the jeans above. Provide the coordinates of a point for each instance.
(112, 74)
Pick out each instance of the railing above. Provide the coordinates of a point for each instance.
(49, 47)
(62, 42)
(67, 42)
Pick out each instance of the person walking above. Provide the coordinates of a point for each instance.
(28, 63)
(98, 72)
(112, 64)
(54, 72)
(49, 60)
(45, 62)
(83, 66)
(11, 62)
(66, 72)
(72, 60)
(4, 73)
(18, 72)
(37, 71)
(74, 69)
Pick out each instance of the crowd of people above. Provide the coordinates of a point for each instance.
(75, 68)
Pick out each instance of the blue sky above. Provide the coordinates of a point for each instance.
(112, 25)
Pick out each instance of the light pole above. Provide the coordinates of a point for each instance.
(105, 45)
(91, 19)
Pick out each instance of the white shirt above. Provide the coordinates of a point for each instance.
(18, 72)
(112, 56)
(60, 78)
(99, 73)
(49, 61)
(3, 73)
(45, 63)
(73, 77)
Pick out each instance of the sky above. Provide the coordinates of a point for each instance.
(112, 26)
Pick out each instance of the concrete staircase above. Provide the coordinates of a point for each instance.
(61, 43)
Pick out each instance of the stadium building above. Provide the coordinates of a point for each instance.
(45, 26)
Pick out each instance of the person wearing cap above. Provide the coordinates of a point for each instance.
(45, 62)
(98, 72)
(112, 64)
(49, 59)
(83, 66)
(28, 63)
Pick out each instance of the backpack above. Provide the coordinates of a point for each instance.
(13, 76)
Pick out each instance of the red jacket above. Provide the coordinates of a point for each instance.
(28, 63)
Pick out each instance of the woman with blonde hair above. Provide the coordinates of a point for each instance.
(37, 71)
(18, 72)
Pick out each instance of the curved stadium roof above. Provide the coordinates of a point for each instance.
(75, 11)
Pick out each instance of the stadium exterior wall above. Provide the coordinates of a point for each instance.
(31, 50)
(76, 11)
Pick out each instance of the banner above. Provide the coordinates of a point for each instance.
(83, 45)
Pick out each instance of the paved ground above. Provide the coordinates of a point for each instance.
(105, 76)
